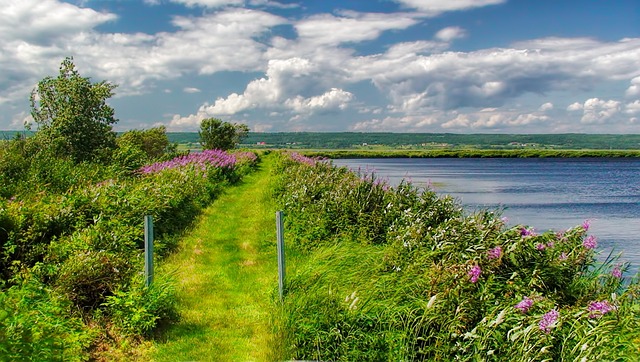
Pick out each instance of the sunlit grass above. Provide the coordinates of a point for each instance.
(226, 271)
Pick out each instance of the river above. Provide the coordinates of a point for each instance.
(544, 193)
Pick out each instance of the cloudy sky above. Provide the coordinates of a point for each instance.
(460, 66)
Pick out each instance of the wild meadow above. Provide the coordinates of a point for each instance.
(71, 243)
(381, 273)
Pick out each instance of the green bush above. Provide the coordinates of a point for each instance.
(36, 324)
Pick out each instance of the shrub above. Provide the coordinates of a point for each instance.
(436, 283)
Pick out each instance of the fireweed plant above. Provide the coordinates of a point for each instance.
(401, 274)
(71, 262)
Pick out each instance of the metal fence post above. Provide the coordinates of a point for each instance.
(148, 250)
(281, 261)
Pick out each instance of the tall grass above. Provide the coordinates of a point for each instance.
(398, 273)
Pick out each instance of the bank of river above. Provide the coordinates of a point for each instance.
(550, 193)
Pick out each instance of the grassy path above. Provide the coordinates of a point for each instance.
(226, 272)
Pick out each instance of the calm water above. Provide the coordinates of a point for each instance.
(545, 194)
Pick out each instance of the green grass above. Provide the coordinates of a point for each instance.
(226, 273)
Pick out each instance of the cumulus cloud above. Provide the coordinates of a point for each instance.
(491, 77)
(334, 99)
(450, 33)
(546, 107)
(209, 3)
(435, 7)
(596, 110)
(280, 90)
(634, 88)
(633, 107)
(349, 26)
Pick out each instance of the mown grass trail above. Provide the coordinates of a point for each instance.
(226, 273)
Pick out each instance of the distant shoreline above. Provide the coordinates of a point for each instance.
(472, 153)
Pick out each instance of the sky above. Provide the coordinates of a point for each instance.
(455, 66)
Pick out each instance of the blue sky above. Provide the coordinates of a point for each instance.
(459, 66)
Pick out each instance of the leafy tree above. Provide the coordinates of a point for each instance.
(72, 115)
(216, 134)
(153, 142)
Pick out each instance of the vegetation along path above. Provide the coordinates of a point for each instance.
(226, 271)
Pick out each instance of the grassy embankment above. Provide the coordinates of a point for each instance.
(226, 271)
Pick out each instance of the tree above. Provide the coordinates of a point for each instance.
(153, 142)
(72, 115)
(216, 134)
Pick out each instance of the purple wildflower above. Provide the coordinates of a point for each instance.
(548, 321)
(527, 232)
(474, 273)
(616, 272)
(551, 244)
(540, 246)
(590, 242)
(504, 219)
(598, 309)
(311, 161)
(524, 304)
(494, 253)
(586, 224)
(215, 158)
(563, 256)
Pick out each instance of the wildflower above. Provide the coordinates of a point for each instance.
(540, 246)
(590, 242)
(524, 304)
(527, 232)
(563, 256)
(474, 273)
(504, 219)
(494, 253)
(548, 321)
(586, 224)
(598, 309)
(616, 272)
(551, 244)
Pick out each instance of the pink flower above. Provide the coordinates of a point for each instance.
(540, 246)
(590, 242)
(598, 309)
(551, 244)
(616, 272)
(563, 256)
(586, 224)
(474, 273)
(494, 253)
(548, 321)
(525, 304)
(527, 232)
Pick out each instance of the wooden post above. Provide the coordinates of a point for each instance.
(281, 262)
(148, 250)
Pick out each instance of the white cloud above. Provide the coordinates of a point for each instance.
(633, 108)
(577, 106)
(435, 7)
(191, 90)
(327, 29)
(279, 90)
(634, 88)
(598, 110)
(42, 21)
(491, 77)
(334, 99)
(209, 3)
(546, 107)
(450, 33)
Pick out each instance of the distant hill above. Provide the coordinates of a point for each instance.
(348, 140)
(355, 140)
